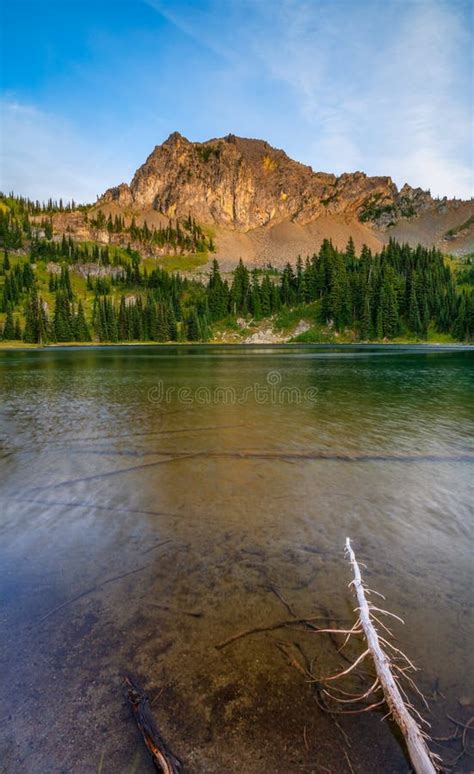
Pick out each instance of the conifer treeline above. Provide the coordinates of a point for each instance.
(67, 250)
(185, 236)
(399, 291)
(25, 206)
(16, 229)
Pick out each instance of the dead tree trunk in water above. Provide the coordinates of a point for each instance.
(415, 738)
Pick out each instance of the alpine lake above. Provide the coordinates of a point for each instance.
(157, 500)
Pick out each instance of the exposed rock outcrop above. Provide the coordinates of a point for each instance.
(244, 184)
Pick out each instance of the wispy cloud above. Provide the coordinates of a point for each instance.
(194, 23)
(384, 87)
(42, 155)
(430, 136)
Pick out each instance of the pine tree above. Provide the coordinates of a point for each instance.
(123, 323)
(266, 296)
(350, 250)
(255, 302)
(366, 328)
(9, 327)
(173, 329)
(288, 289)
(80, 328)
(62, 318)
(48, 229)
(276, 299)
(414, 320)
(300, 282)
(163, 330)
(31, 331)
(192, 327)
(217, 293)
(462, 325)
(36, 322)
(239, 292)
(389, 304)
(425, 314)
(65, 282)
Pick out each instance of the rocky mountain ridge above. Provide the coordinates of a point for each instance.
(260, 205)
(245, 184)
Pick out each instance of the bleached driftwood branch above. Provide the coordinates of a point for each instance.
(420, 755)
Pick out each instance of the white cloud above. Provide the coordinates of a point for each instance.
(42, 155)
(428, 169)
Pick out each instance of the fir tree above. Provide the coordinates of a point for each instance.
(62, 318)
(217, 293)
(192, 327)
(414, 312)
(350, 250)
(36, 323)
(163, 330)
(9, 327)
(239, 292)
(80, 327)
(255, 302)
(366, 328)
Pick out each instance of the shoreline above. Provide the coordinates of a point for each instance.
(19, 346)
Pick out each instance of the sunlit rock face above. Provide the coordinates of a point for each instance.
(244, 184)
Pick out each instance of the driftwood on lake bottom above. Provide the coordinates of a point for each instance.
(388, 674)
(164, 760)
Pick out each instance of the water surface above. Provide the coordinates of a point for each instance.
(153, 499)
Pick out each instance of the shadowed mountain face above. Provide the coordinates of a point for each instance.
(263, 206)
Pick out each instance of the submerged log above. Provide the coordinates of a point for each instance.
(164, 760)
(420, 755)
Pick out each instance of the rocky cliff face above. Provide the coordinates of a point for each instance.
(244, 184)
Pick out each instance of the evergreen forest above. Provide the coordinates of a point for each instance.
(56, 289)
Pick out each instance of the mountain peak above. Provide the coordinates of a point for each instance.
(244, 183)
(173, 139)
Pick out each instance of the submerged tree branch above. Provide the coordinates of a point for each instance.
(163, 759)
(420, 755)
(270, 628)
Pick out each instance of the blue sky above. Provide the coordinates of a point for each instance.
(89, 87)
